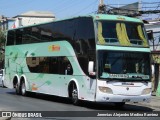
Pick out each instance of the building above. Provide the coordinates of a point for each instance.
(5, 22)
(154, 26)
(33, 17)
(25, 19)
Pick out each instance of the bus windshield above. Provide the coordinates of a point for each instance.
(123, 65)
(121, 33)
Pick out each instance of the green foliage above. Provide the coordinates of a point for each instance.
(2, 44)
(2, 38)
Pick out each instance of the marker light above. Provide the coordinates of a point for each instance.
(146, 91)
(105, 89)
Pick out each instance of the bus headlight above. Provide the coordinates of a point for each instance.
(105, 89)
(146, 91)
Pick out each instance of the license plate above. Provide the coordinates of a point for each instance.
(125, 100)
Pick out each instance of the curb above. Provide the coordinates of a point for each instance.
(148, 105)
(154, 102)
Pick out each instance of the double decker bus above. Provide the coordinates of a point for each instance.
(99, 58)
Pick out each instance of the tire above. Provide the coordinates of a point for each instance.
(119, 104)
(23, 89)
(17, 89)
(3, 84)
(74, 94)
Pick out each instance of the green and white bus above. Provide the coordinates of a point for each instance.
(99, 58)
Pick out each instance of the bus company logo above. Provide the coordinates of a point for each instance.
(127, 88)
(52, 48)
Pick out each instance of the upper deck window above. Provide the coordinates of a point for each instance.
(121, 33)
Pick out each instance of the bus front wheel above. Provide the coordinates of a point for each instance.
(74, 94)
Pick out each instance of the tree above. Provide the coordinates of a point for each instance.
(2, 44)
(2, 38)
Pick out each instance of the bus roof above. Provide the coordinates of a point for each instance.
(115, 17)
(95, 17)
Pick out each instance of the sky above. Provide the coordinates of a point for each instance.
(61, 8)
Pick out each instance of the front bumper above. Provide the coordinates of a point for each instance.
(122, 98)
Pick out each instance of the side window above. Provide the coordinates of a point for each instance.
(35, 35)
(65, 66)
(49, 65)
(54, 65)
(19, 34)
(84, 36)
(33, 64)
(85, 42)
(63, 30)
(56, 31)
(11, 37)
(46, 32)
(26, 38)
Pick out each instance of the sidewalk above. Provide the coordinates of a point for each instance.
(155, 102)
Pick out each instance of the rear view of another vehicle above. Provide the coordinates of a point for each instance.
(2, 77)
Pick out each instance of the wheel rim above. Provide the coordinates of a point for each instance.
(17, 90)
(23, 89)
(74, 94)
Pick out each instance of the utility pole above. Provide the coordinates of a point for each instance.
(101, 2)
(140, 5)
(101, 7)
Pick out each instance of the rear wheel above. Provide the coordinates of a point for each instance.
(17, 89)
(23, 89)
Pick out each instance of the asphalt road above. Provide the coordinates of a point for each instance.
(9, 101)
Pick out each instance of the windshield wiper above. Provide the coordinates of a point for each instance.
(136, 41)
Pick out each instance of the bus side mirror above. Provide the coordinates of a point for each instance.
(91, 68)
(150, 34)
